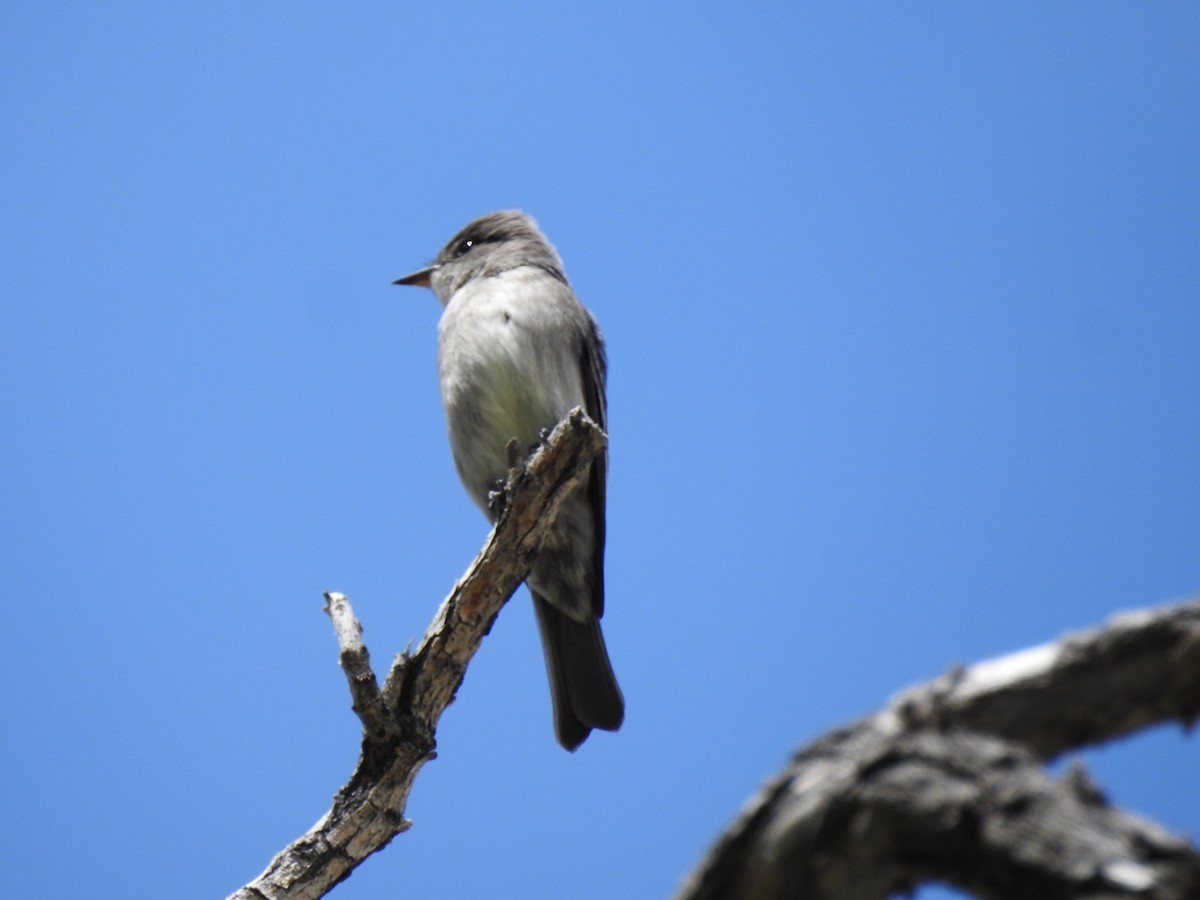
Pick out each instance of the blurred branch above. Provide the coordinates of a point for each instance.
(399, 721)
(947, 783)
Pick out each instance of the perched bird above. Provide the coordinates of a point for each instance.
(517, 351)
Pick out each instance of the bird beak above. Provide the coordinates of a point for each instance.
(418, 279)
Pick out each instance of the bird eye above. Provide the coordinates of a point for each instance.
(463, 246)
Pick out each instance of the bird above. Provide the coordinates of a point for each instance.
(517, 351)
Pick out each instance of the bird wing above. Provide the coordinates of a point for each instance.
(594, 365)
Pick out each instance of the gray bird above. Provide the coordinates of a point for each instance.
(517, 351)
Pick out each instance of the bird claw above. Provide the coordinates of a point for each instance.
(497, 498)
(513, 451)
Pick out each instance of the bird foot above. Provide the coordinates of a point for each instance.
(513, 452)
(497, 498)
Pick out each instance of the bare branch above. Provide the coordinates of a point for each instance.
(1142, 668)
(378, 722)
(946, 783)
(399, 722)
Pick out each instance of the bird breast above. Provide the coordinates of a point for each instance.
(509, 368)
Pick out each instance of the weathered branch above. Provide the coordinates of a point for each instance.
(399, 721)
(947, 784)
(1141, 669)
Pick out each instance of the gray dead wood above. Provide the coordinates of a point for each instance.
(948, 784)
(400, 719)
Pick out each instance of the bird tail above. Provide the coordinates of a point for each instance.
(583, 687)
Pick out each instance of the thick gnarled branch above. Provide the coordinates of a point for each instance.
(947, 783)
(400, 719)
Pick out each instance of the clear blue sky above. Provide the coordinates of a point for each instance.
(903, 313)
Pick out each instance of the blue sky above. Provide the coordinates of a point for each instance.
(903, 312)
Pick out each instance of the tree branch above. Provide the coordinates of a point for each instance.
(946, 783)
(399, 721)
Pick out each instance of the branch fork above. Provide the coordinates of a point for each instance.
(400, 720)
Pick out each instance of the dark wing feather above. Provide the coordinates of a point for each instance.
(595, 374)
